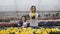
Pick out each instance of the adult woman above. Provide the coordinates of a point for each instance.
(33, 14)
(33, 17)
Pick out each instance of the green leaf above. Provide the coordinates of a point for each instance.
(12, 32)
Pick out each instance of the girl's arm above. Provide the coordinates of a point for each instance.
(24, 24)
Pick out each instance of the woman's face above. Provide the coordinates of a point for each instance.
(33, 9)
(23, 18)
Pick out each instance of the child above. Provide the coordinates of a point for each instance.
(23, 21)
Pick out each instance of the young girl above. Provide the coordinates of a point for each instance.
(23, 21)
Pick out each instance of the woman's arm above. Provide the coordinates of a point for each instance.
(36, 15)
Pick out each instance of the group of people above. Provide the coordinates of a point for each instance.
(33, 15)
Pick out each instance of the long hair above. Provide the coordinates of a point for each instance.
(32, 8)
(24, 17)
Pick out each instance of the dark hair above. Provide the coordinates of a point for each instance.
(24, 17)
(32, 7)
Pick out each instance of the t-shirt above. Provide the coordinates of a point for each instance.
(34, 22)
(24, 24)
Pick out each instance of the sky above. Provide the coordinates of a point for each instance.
(24, 5)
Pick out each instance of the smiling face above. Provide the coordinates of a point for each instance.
(23, 18)
(33, 9)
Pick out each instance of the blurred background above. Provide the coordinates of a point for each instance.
(17, 8)
(12, 10)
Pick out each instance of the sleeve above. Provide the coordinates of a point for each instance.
(20, 22)
(30, 15)
(36, 14)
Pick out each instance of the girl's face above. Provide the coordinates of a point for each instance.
(23, 18)
(33, 9)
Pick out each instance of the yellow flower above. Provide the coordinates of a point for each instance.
(32, 14)
(23, 32)
(4, 32)
(44, 32)
(29, 28)
(1, 32)
(38, 31)
(48, 30)
(17, 32)
(14, 31)
(24, 29)
(34, 30)
(54, 29)
(30, 32)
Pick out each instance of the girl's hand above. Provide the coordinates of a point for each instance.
(19, 25)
